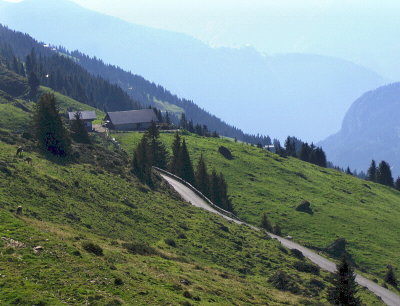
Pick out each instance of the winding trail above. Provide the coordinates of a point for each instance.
(195, 199)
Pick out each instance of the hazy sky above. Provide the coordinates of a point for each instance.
(363, 31)
(343, 28)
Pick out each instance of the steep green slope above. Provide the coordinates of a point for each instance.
(364, 213)
(16, 107)
(197, 257)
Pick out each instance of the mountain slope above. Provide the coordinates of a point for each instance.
(365, 214)
(90, 233)
(66, 72)
(370, 130)
(267, 90)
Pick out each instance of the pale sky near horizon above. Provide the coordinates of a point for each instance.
(363, 31)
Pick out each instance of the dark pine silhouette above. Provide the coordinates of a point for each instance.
(79, 131)
(50, 133)
(384, 174)
(344, 292)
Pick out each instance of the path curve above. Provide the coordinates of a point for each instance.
(192, 197)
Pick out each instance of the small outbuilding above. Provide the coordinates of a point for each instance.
(133, 120)
(87, 116)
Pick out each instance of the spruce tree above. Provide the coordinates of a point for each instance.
(79, 130)
(384, 174)
(265, 223)
(141, 164)
(290, 147)
(202, 178)
(49, 129)
(176, 149)
(390, 277)
(397, 183)
(344, 292)
(225, 202)
(157, 152)
(185, 167)
(348, 171)
(371, 174)
(215, 192)
(33, 83)
(305, 152)
(183, 122)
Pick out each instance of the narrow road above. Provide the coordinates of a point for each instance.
(190, 196)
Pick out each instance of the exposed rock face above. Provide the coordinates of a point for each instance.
(370, 130)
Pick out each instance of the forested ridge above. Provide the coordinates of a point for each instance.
(106, 86)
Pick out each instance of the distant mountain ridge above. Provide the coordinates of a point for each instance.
(82, 73)
(370, 130)
(257, 93)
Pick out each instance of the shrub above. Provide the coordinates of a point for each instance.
(187, 294)
(296, 253)
(139, 249)
(225, 152)
(285, 282)
(118, 281)
(306, 267)
(92, 248)
(170, 242)
(305, 207)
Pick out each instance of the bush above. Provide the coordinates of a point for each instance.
(225, 152)
(92, 248)
(170, 242)
(283, 281)
(118, 281)
(305, 207)
(139, 249)
(296, 253)
(306, 267)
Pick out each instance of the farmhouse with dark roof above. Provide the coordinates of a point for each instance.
(86, 116)
(132, 120)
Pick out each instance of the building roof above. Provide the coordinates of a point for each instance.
(85, 115)
(132, 116)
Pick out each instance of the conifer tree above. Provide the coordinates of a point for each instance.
(157, 151)
(265, 223)
(344, 291)
(167, 119)
(183, 122)
(290, 147)
(384, 174)
(49, 129)
(202, 178)
(225, 202)
(176, 149)
(215, 192)
(185, 167)
(33, 83)
(390, 277)
(371, 174)
(348, 171)
(79, 130)
(305, 152)
(141, 164)
(397, 183)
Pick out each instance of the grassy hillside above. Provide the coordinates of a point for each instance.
(192, 256)
(364, 213)
(16, 107)
(91, 234)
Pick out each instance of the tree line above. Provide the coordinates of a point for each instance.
(116, 89)
(294, 147)
(382, 174)
(150, 151)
